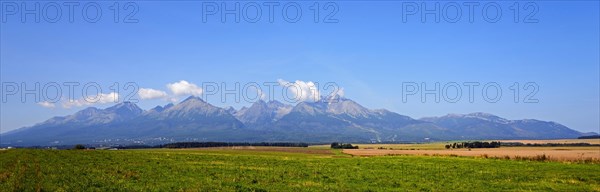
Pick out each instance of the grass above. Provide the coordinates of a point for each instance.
(256, 170)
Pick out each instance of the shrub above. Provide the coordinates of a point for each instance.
(79, 146)
(541, 158)
(343, 146)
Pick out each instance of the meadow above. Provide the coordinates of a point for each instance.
(280, 169)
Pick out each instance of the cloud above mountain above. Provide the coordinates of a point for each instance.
(47, 104)
(177, 89)
(302, 90)
(293, 92)
(180, 88)
(100, 98)
(148, 93)
(184, 87)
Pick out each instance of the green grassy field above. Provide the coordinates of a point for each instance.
(279, 170)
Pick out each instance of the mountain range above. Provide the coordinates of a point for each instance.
(327, 120)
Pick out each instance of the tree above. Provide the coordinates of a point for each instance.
(476, 144)
(335, 145)
(79, 146)
(343, 146)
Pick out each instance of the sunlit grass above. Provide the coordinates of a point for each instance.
(257, 170)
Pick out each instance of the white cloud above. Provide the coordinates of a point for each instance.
(340, 92)
(101, 98)
(148, 93)
(303, 91)
(173, 100)
(261, 94)
(46, 104)
(184, 88)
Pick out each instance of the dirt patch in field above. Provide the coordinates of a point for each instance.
(553, 153)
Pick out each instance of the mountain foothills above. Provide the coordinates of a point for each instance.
(328, 120)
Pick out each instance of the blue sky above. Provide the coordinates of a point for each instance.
(370, 52)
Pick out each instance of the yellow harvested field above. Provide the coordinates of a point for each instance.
(553, 153)
(590, 141)
(441, 145)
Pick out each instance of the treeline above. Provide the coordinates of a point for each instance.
(589, 137)
(474, 144)
(336, 145)
(227, 144)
